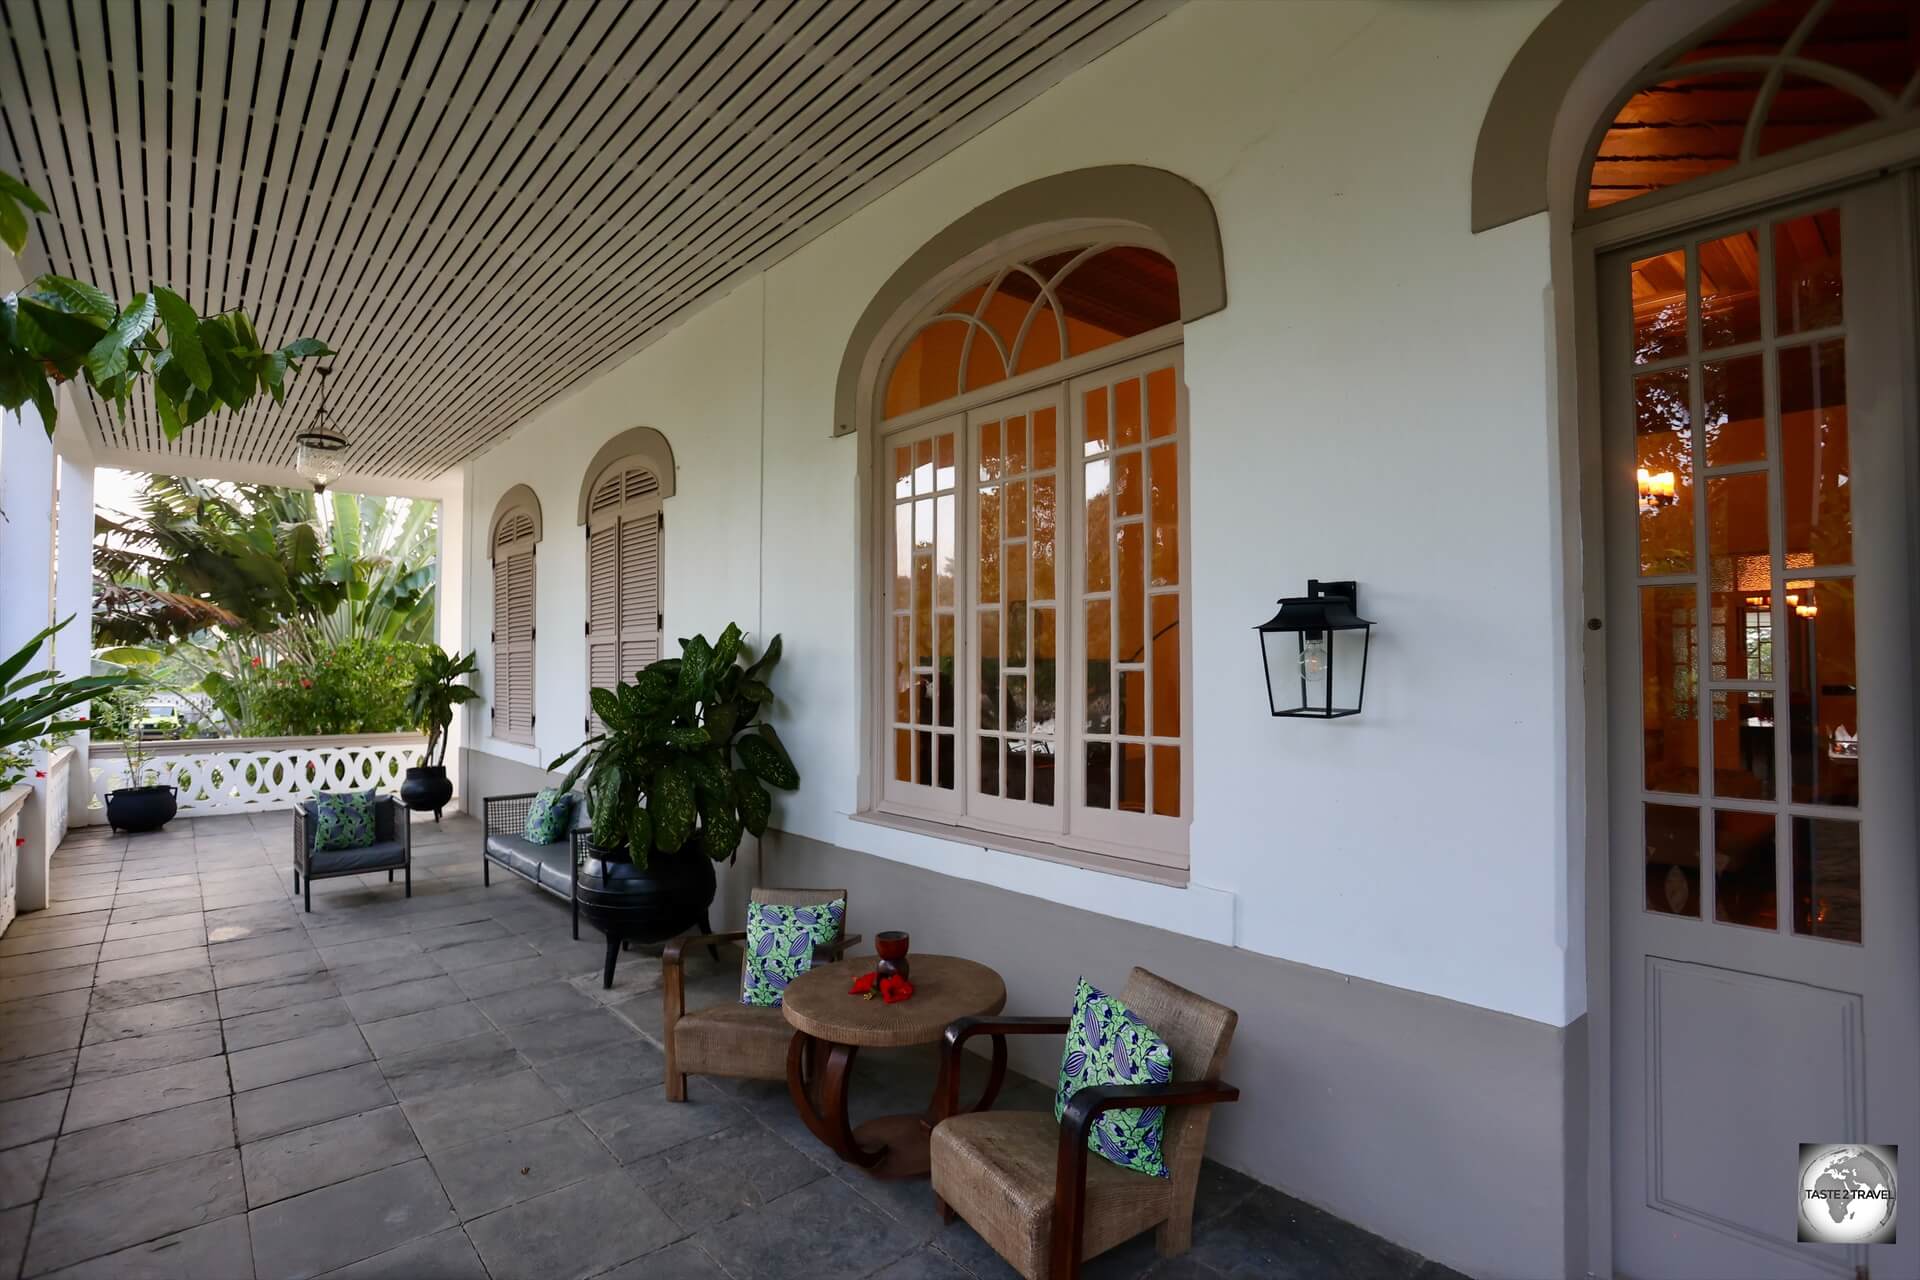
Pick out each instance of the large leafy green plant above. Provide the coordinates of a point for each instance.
(31, 705)
(435, 693)
(59, 329)
(681, 755)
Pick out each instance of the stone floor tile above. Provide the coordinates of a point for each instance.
(145, 1092)
(495, 979)
(295, 1020)
(478, 1110)
(446, 1255)
(152, 1018)
(22, 1171)
(583, 1079)
(348, 955)
(156, 963)
(15, 1224)
(25, 1120)
(261, 1113)
(450, 1065)
(323, 1154)
(391, 1036)
(712, 1178)
(150, 944)
(100, 1219)
(571, 1034)
(237, 1002)
(386, 973)
(327, 1229)
(823, 1231)
(682, 1261)
(128, 1146)
(128, 992)
(271, 968)
(135, 909)
(403, 998)
(33, 1011)
(924, 1263)
(73, 978)
(637, 1125)
(41, 961)
(22, 944)
(290, 1059)
(476, 955)
(143, 1053)
(540, 1237)
(217, 1250)
(24, 1077)
(258, 946)
(506, 1168)
(549, 999)
(453, 935)
(128, 930)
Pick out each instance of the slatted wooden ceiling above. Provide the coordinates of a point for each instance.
(481, 203)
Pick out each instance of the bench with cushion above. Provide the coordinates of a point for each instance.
(554, 867)
(391, 850)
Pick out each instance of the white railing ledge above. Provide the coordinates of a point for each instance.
(243, 775)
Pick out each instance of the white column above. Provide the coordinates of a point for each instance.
(73, 597)
(450, 609)
(26, 606)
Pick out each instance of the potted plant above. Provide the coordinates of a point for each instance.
(677, 774)
(435, 693)
(145, 803)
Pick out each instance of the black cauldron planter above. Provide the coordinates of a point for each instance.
(662, 900)
(141, 809)
(426, 789)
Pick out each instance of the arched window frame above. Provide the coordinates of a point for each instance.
(513, 536)
(1147, 846)
(625, 568)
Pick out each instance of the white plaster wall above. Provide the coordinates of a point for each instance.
(1373, 403)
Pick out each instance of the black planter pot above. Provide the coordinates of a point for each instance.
(142, 808)
(630, 904)
(426, 788)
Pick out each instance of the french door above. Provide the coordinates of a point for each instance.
(1760, 452)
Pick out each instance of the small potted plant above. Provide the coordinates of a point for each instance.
(145, 803)
(677, 774)
(435, 693)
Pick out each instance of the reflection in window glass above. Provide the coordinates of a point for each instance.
(1673, 860)
(1822, 693)
(1663, 455)
(1670, 685)
(1734, 414)
(1744, 886)
(1743, 752)
(1814, 454)
(1730, 290)
(1741, 566)
(1806, 272)
(1659, 307)
(1826, 879)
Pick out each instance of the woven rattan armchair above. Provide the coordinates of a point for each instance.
(1027, 1185)
(743, 1041)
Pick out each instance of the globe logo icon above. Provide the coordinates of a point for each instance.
(1847, 1194)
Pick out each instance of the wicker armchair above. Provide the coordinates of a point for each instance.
(391, 850)
(1026, 1184)
(739, 1040)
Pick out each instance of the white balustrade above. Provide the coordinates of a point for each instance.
(11, 803)
(242, 775)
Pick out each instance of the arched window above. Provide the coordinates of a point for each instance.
(1774, 77)
(510, 544)
(1034, 672)
(624, 531)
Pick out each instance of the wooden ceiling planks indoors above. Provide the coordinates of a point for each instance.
(479, 204)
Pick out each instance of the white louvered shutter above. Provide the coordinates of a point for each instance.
(623, 578)
(513, 629)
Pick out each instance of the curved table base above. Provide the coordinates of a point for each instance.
(818, 1073)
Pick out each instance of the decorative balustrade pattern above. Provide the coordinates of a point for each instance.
(242, 775)
(11, 803)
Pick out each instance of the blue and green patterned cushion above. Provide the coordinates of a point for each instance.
(344, 820)
(780, 943)
(1108, 1044)
(547, 816)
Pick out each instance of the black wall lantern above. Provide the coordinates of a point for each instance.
(1313, 620)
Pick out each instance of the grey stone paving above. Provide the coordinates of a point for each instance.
(197, 1079)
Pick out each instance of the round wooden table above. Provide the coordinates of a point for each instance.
(831, 1027)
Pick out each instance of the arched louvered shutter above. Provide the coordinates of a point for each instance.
(513, 627)
(624, 534)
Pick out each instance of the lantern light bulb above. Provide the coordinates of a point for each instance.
(1314, 660)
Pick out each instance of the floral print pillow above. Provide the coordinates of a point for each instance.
(780, 943)
(1108, 1044)
(343, 820)
(547, 816)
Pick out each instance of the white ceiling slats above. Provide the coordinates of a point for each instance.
(479, 204)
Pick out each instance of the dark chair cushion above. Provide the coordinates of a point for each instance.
(378, 856)
(523, 855)
(556, 868)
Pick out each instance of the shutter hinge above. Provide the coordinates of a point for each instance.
(589, 626)
(532, 721)
(493, 713)
(659, 622)
(586, 724)
(533, 634)
(662, 518)
(493, 637)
